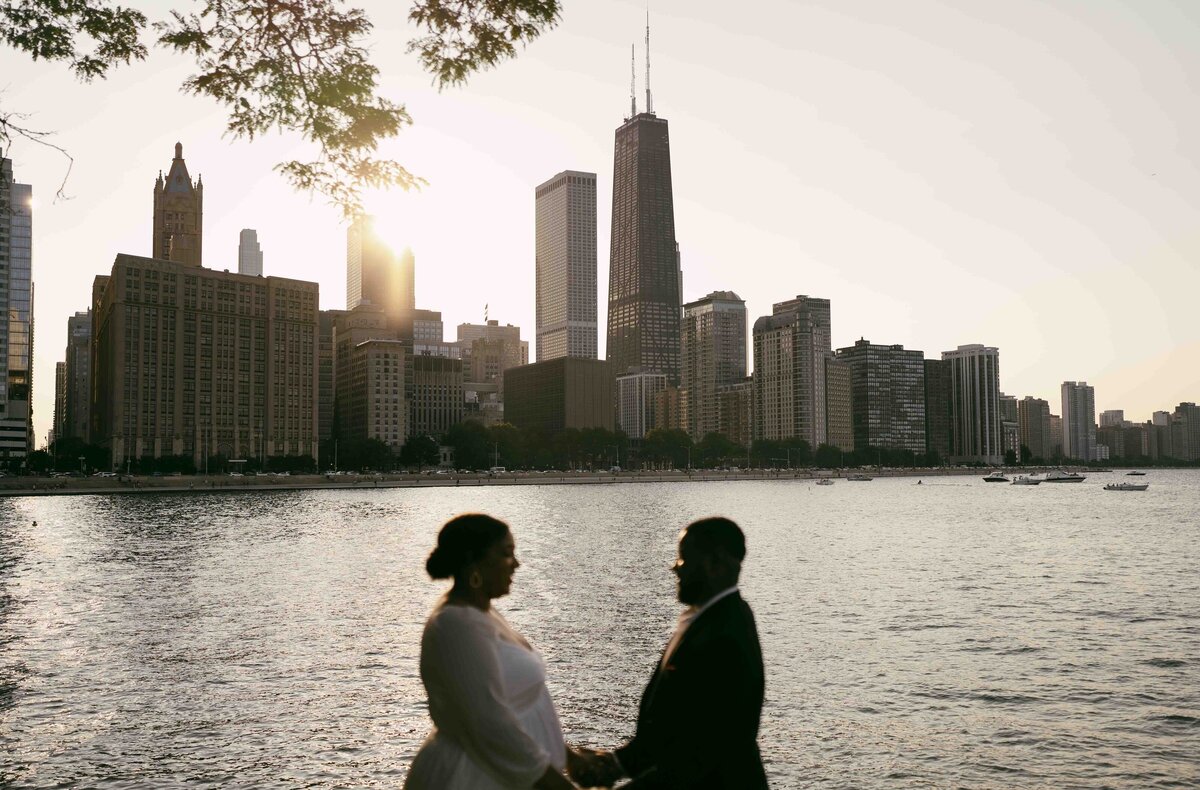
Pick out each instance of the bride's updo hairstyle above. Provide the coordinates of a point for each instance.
(463, 540)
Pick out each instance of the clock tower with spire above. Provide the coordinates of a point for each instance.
(178, 214)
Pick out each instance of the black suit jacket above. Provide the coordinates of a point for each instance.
(697, 725)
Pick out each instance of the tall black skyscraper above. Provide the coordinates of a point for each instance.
(644, 302)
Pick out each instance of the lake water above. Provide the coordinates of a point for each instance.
(952, 634)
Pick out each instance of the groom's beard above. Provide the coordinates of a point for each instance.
(691, 591)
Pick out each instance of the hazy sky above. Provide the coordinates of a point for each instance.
(1018, 174)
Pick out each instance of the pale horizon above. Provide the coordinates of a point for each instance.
(1021, 177)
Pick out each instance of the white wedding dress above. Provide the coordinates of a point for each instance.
(494, 723)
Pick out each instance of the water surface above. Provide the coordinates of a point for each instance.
(953, 634)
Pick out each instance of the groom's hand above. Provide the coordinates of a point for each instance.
(593, 767)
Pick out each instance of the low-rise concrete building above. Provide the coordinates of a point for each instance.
(566, 392)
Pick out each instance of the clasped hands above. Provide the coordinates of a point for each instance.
(593, 767)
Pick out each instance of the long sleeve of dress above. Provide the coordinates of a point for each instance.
(466, 696)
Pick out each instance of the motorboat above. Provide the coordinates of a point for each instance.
(1059, 476)
(824, 481)
(1126, 486)
(1135, 474)
(860, 478)
(1025, 480)
(996, 477)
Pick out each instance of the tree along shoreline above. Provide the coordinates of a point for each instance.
(201, 484)
(473, 446)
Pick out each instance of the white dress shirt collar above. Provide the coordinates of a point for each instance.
(696, 612)
(686, 618)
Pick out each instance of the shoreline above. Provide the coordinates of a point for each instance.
(211, 484)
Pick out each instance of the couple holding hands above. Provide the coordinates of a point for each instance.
(495, 727)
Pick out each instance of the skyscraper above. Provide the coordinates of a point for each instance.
(790, 347)
(887, 396)
(178, 214)
(565, 229)
(1079, 420)
(325, 322)
(375, 274)
(250, 257)
(644, 297)
(60, 402)
(735, 403)
(839, 409)
(975, 430)
(937, 410)
(372, 393)
(1033, 419)
(372, 371)
(1185, 432)
(16, 302)
(1010, 426)
(714, 354)
(78, 371)
(1056, 437)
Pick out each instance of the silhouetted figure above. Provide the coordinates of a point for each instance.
(495, 726)
(698, 721)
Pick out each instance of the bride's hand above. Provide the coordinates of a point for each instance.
(592, 767)
(553, 780)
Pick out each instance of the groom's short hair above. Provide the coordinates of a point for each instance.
(717, 534)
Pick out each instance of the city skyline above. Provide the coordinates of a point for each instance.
(1059, 261)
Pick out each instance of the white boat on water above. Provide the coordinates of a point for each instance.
(1059, 476)
(1025, 480)
(1126, 486)
(996, 477)
(824, 481)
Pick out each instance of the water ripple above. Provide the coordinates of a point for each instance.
(943, 636)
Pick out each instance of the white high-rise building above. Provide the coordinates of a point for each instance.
(636, 391)
(565, 250)
(250, 257)
(976, 431)
(1079, 420)
(16, 302)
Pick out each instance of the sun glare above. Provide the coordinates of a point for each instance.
(403, 219)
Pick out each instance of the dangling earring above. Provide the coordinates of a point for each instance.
(476, 580)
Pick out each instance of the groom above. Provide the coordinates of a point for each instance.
(697, 724)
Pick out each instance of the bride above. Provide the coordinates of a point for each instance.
(494, 723)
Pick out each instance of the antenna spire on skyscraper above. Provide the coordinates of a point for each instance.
(649, 102)
(632, 79)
